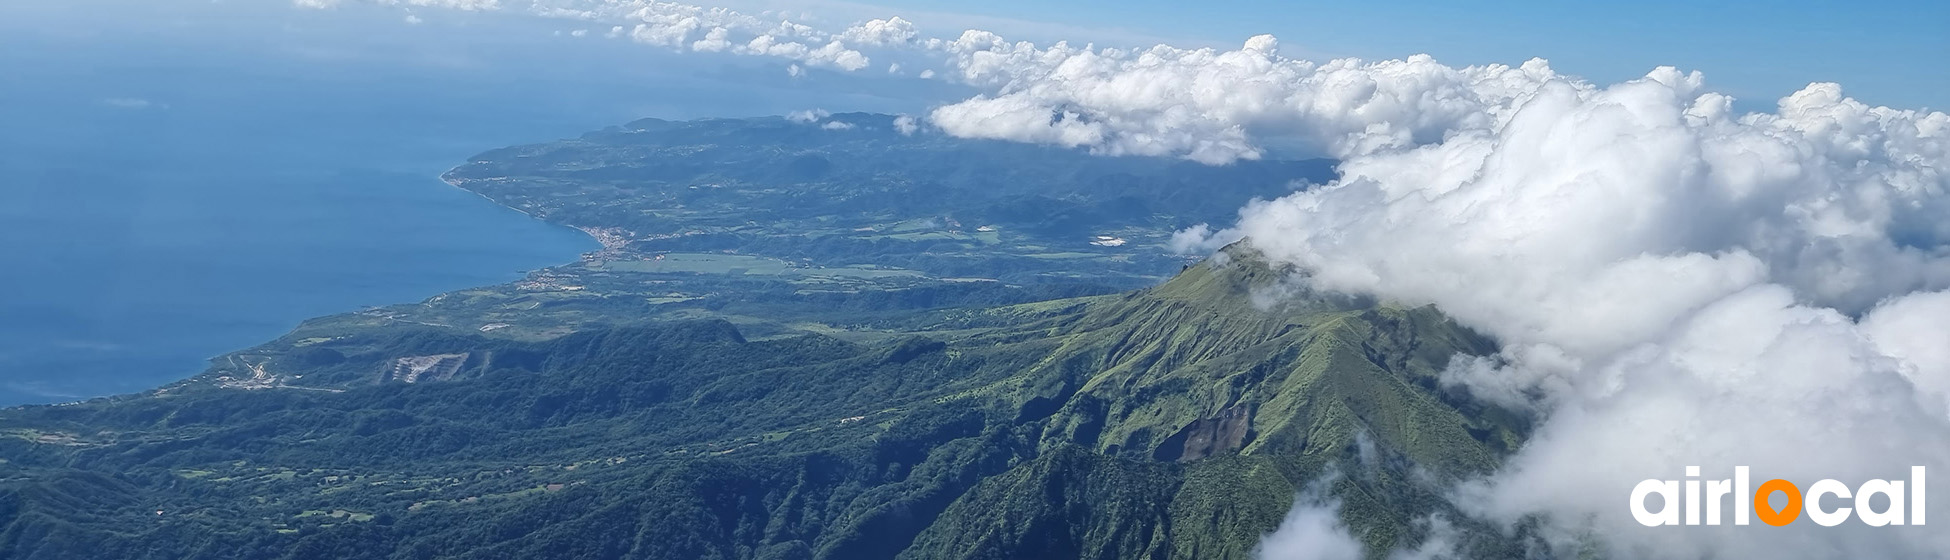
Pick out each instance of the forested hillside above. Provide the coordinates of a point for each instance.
(1172, 422)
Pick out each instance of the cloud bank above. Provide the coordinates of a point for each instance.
(1207, 105)
(1672, 283)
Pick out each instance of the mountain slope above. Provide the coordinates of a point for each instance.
(1257, 387)
(1173, 422)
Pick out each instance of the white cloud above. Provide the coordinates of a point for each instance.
(1197, 240)
(413, 19)
(701, 29)
(837, 125)
(881, 32)
(1910, 329)
(1202, 104)
(1441, 542)
(715, 40)
(1019, 119)
(1672, 283)
(1208, 105)
(1312, 530)
(906, 125)
(469, 5)
(666, 35)
(132, 103)
(697, 28)
(808, 116)
(452, 4)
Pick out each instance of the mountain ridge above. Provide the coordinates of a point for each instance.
(1188, 413)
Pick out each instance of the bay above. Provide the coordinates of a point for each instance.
(168, 194)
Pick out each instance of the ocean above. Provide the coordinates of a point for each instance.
(171, 192)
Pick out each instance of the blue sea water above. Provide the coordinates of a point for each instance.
(172, 189)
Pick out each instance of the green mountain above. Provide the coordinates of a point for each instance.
(1172, 422)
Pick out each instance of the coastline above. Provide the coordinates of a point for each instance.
(211, 363)
(606, 241)
(443, 177)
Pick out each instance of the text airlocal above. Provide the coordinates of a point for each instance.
(1897, 511)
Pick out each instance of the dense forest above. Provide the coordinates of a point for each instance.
(798, 342)
(1173, 422)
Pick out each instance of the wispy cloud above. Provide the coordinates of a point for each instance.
(1313, 529)
(470, 5)
(133, 103)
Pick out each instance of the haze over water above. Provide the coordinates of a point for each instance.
(172, 193)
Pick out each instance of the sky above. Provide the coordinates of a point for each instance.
(1702, 236)
(1887, 53)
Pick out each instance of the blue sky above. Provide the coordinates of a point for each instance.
(1885, 53)
(1888, 53)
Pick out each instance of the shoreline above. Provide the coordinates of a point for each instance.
(211, 362)
(605, 241)
(442, 177)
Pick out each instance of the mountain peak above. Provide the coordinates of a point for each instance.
(1240, 279)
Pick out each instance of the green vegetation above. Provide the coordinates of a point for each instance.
(1174, 422)
(796, 344)
(782, 228)
(924, 202)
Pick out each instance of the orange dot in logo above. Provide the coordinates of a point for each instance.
(1777, 517)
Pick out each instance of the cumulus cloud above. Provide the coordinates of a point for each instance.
(1198, 240)
(1208, 105)
(717, 39)
(1671, 282)
(906, 125)
(819, 117)
(881, 32)
(688, 27)
(1910, 329)
(808, 116)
